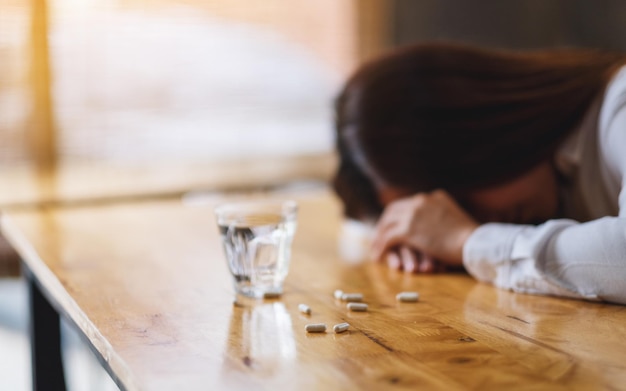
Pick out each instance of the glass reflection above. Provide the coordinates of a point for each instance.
(261, 337)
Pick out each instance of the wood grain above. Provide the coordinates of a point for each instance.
(148, 285)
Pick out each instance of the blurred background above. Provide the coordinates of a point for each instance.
(102, 99)
(136, 97)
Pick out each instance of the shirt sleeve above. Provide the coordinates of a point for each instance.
(506, 256)
(562, 257)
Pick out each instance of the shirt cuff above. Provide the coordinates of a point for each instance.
(505, 256)
(487, 252)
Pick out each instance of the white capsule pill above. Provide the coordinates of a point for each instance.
(408, 297)
(351, 297)
(338, 294)
(341, 327)
(357, 306)
(305, 309)
(315, 328)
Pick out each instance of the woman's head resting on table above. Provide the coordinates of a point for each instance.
(481, 124)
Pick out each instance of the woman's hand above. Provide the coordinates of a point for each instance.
(405, 258)
(416, 231)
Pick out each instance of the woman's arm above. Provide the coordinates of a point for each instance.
(559, 257)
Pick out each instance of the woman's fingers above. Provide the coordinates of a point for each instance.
(410, 259)
(427, 222)
(390, 226)
(427, 265)
(387, 240)
(393, 260)
(402, 258)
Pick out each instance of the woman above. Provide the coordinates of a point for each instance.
(510, 164)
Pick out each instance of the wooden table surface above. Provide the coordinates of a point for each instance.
(148, 285)
(25, 186)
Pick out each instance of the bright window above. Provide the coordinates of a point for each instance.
(139, 81)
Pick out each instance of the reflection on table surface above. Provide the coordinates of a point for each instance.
(262, 336)
(147, 283)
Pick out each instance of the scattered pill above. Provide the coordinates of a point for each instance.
(341, 327)
(305, 309)
(338, 294)
(408, 297)
(351, 297)
(357, 307)
(315, 328)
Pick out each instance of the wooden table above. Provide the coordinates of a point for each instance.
(147, 286)
(73, 183)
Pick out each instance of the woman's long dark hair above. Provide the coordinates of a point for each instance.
(458, 118)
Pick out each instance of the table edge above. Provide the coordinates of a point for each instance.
(60, 299)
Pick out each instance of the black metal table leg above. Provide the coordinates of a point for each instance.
(45, 339)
